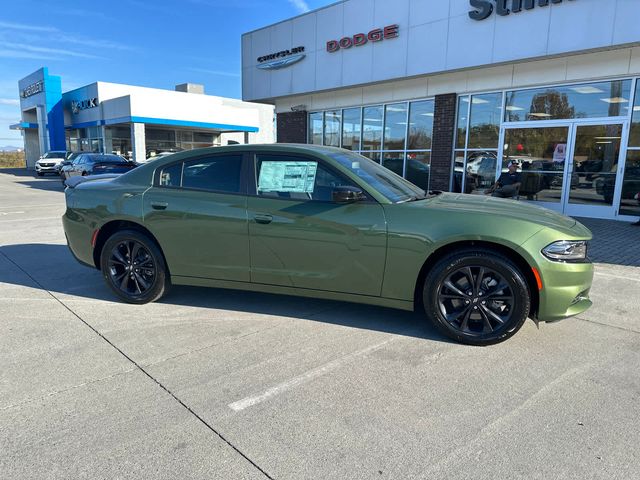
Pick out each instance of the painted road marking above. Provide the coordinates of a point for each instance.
(9, 213)
(305, 377)
(618, 276)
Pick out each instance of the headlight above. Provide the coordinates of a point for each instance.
(566, 251)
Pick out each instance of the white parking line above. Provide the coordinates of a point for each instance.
(618, 276)
(30, 219)
(305, 377)
(9, 213)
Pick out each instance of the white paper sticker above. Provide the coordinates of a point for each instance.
(298, 177)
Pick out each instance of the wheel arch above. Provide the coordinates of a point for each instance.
(510, 253)
(114, 226)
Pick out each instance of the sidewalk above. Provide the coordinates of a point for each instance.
(613, 242)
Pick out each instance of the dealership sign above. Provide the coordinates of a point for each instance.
(360, 39)
(32, 89)
(484, 8)
(281, 59)
(76, 105)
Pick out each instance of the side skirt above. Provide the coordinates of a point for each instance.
(299, 292)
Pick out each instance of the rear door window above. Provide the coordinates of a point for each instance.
(219, 173)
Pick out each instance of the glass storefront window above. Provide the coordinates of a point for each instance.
(372, 128)
(375, 156)
(394, 161)
(484, 124)
(395, 126)
(315, 128)
(420, 125)
(461, 131)
(630, 198)
(634, 135)
(540, 154)
(593, 100)
(458, 172)
(418, 169)
(351, 119)
(480, 171)
(332, 128)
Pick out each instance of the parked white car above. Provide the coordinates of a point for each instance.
(49, 162)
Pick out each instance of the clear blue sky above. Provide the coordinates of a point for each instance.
(154, 43)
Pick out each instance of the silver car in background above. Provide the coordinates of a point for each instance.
(48, 163)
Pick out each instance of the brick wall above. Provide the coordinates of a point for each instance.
(292, 127)
(444, 125)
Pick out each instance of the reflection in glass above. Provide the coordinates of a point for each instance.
(484, 126)
(315, 128)
(395, 126)
(351, 119)
(420, 125)
(630, 198)
(634, 136)
(332, 128)
(372, 128)
(595, 164)
(540, 154)
(375, 156)
(594, 100)
(461, 131)
(418, 168)
(480, 171)
(458, 172)
(394, 161)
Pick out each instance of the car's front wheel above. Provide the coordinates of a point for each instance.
(133, 267)
(477, 297)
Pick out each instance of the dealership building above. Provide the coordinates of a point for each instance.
(448, 92)
(136, 122)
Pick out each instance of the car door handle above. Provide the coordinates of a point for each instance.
(263, 218)
(159, 205)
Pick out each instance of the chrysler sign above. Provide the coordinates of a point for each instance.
(484, 8)
(281, 59)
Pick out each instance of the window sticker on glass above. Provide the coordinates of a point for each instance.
(298, 177)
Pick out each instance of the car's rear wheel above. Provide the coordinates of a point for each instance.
(477, 297)
(133, 267)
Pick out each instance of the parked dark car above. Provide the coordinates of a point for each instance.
(67, 161)
(96, 164)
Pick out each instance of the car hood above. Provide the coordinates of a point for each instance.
(500, 207)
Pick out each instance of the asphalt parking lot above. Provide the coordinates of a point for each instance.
(232, 385)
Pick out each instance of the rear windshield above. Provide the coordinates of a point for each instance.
(107, 159)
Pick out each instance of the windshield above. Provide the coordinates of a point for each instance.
(395, 188)
(54, 155)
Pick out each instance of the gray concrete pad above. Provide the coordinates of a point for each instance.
(298, 388)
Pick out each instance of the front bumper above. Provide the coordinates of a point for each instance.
(46, 169)
(565, 285)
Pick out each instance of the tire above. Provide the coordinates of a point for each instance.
(455, 305)
(120, 254)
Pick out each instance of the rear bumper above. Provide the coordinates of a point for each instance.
(78, 234)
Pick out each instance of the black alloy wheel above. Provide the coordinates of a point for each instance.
(133, 267)
(477, 297)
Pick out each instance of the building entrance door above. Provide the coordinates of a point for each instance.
(594, 166)
(572, 168)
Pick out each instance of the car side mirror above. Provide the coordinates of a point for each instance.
(347, 195)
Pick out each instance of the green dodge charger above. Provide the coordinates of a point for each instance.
(324, 222)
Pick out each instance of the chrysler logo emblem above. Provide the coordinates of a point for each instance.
(281, 62)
